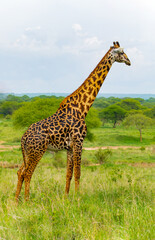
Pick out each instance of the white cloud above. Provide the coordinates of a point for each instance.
(83, 41)
(92, 41)
(79, 30)
(77, 27)
(32, 39)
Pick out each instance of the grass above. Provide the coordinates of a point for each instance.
(115, 201)
(108, 136)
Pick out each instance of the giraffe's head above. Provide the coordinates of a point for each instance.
(119, 55)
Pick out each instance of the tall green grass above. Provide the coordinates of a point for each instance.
(115, 202)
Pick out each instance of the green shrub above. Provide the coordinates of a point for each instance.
(35, 111)
(103, 155)
(142, 148)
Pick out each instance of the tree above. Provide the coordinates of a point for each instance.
(139, 121)
(13, 98)
(92, 121)
(101, 103)
(149, 102)
(113, 113)
(129, 104)
(8, 107)
(34, 111)
(150, 112)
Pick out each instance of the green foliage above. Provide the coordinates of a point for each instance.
(92, 118)
(113, 113)
(92, 121)
(13, 98)
(34, 111)
(101, 103)
(133, 112)
(150, 112)
(105, 102)
(139, 121)
(142, 148)
(149, 102)
(129, 104)
(8, 107)
(12, 103)
(103, 155)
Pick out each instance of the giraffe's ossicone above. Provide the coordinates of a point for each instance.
(66, 129)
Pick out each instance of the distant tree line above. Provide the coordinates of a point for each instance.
(25, 111)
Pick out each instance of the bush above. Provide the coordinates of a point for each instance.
(142, 148)
(8, 107)
(35, 111)
(103, 155)
(113, 113)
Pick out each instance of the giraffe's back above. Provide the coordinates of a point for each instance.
(52, 133)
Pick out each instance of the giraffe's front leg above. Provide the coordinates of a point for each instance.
(69, 173)
(77, 151)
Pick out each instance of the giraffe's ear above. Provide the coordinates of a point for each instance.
(118, 44)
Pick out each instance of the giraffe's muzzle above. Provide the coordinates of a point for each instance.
(127, 62)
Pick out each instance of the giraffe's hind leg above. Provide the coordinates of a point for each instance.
(25, 174)
(20, 181)
(77, 150)
(69, 170)
(31, 165)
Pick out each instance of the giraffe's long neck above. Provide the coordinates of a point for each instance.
(83, 98)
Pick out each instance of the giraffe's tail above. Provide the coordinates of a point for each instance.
(23, 147)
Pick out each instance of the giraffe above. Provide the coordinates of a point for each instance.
(66, 129)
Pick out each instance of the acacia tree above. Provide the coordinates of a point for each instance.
(139, 121)
(129, 104)
(113, 113)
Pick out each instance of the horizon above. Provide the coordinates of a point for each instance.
(106, 95)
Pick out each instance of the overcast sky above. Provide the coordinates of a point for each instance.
(52, 46)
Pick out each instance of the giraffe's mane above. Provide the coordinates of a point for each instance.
(74, 93)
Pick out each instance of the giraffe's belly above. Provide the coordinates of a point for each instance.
(53, 147)
(66, 143)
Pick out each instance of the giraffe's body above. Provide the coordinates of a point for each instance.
(66, 129)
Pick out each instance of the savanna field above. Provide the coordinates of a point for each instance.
(116, 195)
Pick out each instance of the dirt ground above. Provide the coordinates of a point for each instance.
(111, 147)
(4, 147)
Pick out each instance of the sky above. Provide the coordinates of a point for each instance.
(52, 46)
